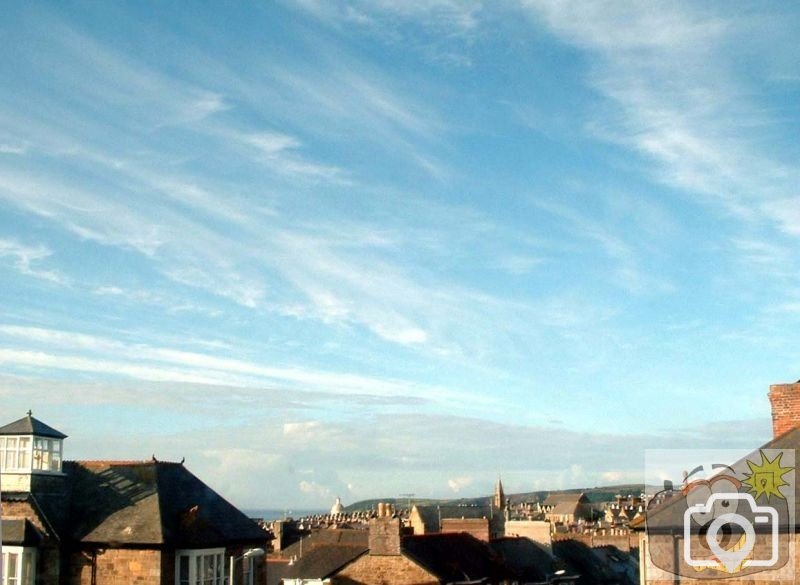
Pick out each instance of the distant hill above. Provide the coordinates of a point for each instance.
(595, 495)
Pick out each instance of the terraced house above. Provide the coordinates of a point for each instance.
(114, 522)
(773, 555)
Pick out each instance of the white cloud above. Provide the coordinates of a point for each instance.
(25, 257)
(676, 93)
(457, 484)
(167, 364)
(299, 428)
(519, 265)
(13, 149)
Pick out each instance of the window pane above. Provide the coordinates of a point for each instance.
(27, 568)
(183, 570)
(22, 459)
(11, 568)
(11, 443)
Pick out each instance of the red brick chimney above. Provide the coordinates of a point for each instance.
(785, 401)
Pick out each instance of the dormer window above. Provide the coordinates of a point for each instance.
(46, 454)
(15, 453)
(30, 446)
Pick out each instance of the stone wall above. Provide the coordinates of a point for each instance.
(384, 536)
(624, 542)
(118, 567)
(383, 570)
(48, 558)
(537, 530)
(477, 527)
(651, 575)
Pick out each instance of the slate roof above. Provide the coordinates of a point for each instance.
(526, 560)
(670, 512)
(20, 532)
(151, 503)
(323, 560)
(623, 565)
(40, 506)
(582, 561)
(565, 503)
(28, 425)
(327, 537)
(453, 557)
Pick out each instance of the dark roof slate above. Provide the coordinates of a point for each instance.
(151, 503)
(28, 425)
(670, 511)
(21, 532)
(323, 560)
(583, 562)
(453, 557)
(525, 559)
(327, 537)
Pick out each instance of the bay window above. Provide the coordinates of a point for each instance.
(200, 567)
(46, 454)
(15, 453)
(19, 565)
(247, 571)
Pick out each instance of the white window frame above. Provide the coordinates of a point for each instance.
(17, 453)
(248, 571)
(49, 452)
(26, 559)
(195, 555)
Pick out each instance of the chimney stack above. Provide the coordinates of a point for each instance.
(385, 535)
(785, 401)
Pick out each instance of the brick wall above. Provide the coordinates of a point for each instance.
(118, 567)
(383, 570)
(785, 401)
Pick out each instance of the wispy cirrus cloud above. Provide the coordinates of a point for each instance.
(676, 96)
(55, 349)
(448, 15)
(25, 259)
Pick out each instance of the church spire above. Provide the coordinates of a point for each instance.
(499, 501)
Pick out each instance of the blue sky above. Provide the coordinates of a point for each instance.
(371, 248)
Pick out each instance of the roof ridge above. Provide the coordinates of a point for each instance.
(122, 462)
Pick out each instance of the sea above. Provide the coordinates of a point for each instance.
(272, 514)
